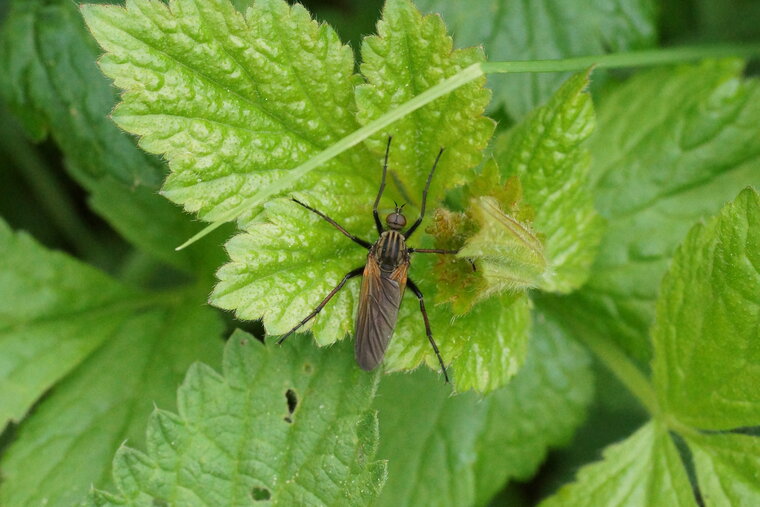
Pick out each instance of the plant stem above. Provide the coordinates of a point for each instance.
(623, 60)
(615, 60)
(628, 374)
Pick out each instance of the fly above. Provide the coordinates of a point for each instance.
(384, 279)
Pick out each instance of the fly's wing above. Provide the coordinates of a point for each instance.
(378, 310)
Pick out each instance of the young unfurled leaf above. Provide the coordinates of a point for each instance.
(290, 425)
(644, 469)
(535, 226)
(105, 353)
(460, 283)
(509, 253)
(546, 151)
(706, 355)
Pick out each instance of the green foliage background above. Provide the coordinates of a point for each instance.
(629, 343)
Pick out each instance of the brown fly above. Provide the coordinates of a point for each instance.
(384, 279)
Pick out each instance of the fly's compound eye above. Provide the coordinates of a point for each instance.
(395, 221)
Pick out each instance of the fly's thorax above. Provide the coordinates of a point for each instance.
(390, 250)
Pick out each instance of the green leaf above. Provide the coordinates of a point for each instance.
(471, 342)
(547, 152)
(410, 54)
(67, 445)
(495, 354)
(48, 61)
(539, 410)
(55, 313)
(232, 101)
(428, 438)
(291, 425)
(288, 259)
(539, 229)
(458, 450)
(110, 353)
(706, 360)
(644, 469)
(728, 468)
(286, 264)
(656, 174)
(545, 30)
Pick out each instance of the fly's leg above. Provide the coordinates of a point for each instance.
(351, 274)
(424, 198)
(378, 223)
(359, 241)
(417, 292)
(433, 251)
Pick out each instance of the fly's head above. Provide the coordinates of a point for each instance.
(396, 220)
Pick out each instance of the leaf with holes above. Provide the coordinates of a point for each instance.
(291, 425)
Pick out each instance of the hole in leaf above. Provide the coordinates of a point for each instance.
(307, 368)
(260, 494)
(160, 502)
(290, 396)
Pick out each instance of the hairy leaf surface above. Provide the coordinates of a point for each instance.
(289, 259)
(232, 100)
(410, 54)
